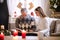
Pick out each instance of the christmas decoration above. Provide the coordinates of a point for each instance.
(6, 32)
(31, 5)
(32, 14)
(15, 14)
(19, 5)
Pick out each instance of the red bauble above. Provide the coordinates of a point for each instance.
(32, 14)
(14, 15)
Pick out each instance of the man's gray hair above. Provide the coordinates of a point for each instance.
(24, 9)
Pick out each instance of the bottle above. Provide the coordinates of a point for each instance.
(27, 27)
(33, 26)
(22, 26)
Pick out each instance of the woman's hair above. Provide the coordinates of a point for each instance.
(40, 10)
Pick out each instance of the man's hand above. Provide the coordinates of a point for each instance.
(19, 30)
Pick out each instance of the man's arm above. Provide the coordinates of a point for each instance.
(17, 23)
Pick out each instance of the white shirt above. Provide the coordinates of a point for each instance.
(43, 24)
(40, 23)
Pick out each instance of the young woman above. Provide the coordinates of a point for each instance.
(42, 22)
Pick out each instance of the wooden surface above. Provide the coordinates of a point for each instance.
(55, 14)
(20, 38)
(31, 38)
(51, 38)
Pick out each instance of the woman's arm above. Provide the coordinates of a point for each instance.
(47, 22)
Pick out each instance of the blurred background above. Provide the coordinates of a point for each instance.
(10, 9)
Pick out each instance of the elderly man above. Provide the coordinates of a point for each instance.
(24, 20)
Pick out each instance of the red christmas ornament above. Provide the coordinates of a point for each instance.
(14, 15)
(32, 14)
(15, 12)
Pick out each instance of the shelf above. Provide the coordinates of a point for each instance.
(55, 14)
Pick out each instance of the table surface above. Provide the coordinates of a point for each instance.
(20, 38)
(31, 38)
(51, 38)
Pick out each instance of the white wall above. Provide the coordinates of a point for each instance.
(45, 5)
(12, 5)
